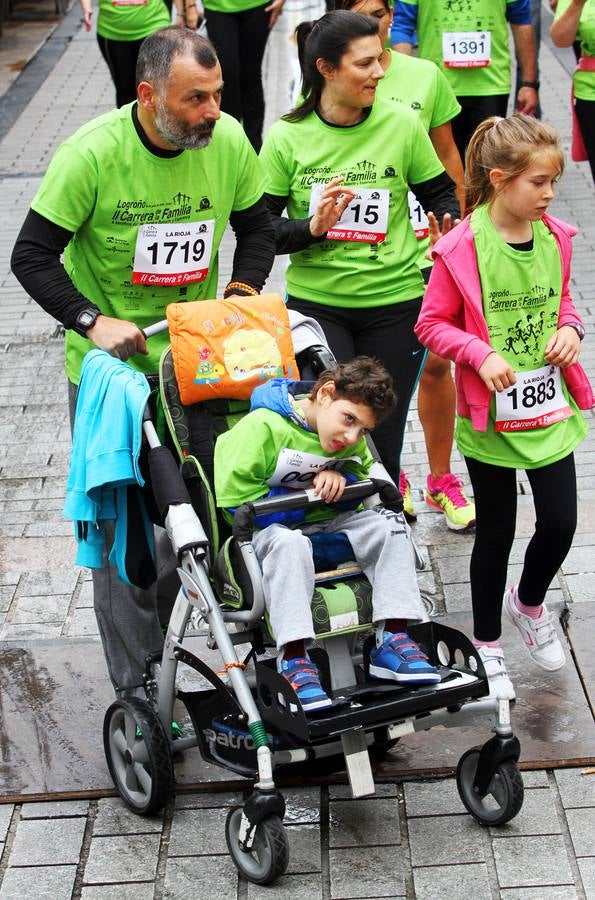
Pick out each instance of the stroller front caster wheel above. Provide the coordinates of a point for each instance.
(504, 796)
(268, 857)
(138, 755)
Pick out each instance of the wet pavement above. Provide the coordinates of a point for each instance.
(414, 839)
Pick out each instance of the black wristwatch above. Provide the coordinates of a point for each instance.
(531, 84)
(85, 319)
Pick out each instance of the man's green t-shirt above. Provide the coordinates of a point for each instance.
(122, 21)
(521, 292)
(246, 458)
(381, 156)
(104, 185)
(419, 84)
(584, 82)
(471, 74)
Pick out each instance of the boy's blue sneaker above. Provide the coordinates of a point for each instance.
(400, 659)
(302, 675)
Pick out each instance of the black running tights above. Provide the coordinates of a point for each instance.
(495, 490)
(121, 57)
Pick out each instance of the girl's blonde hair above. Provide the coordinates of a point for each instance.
(510, 144)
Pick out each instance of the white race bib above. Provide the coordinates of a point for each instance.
(173, 254)
(466, 49)
(296, 470)
(364, 220)
(536, 400)
(417, 217)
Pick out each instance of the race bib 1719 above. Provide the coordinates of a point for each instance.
(170, 255)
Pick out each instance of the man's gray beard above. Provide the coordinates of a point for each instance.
(169, 129)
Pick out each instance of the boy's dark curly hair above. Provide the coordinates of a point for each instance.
(362, 380)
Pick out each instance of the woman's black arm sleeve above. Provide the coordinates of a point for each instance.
(438, 196)
(36, 263)
(291, 235)
(255, 244)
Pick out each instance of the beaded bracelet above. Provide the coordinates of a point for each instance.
(240, 285)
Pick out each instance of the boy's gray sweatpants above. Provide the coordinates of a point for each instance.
(381, 542)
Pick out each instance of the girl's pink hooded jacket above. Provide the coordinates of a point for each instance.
(452, 324)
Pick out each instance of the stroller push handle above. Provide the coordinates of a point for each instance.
(243, 521)
(156, 328)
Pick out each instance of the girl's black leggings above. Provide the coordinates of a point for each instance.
(585, 113)
(385, 332)
(495, 491)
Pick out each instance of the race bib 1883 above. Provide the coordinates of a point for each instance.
(364, 220)
(466, 49)
(535, 401)
(173, 254)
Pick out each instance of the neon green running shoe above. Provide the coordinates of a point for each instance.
(405, 489)
(445, 494)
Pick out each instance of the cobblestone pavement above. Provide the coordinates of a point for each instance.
(413, 839)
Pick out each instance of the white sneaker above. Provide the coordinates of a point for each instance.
(539, 635)
(493, 662)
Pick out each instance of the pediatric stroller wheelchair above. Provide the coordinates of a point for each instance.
(249, 719)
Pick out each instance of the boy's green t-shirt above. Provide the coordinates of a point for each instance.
(104, 185)
(131, 21)
(381, 156)
(444, 23)
(584, 82)
(419, 84)
(248, 456)
(521, 293)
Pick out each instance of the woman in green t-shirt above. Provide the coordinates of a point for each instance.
(575, 21)
(342, 164)
(122, 26)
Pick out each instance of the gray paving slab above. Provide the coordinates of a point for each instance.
(182, 875)
(121, 858)
(42, 882)
(463, 882)
(46, 842)
(358, 872)
(532, 862)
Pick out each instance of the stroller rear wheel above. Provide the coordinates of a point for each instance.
(269, 855)
(138, 755)
(504, 796)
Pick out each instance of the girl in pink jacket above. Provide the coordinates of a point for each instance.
(498, 305)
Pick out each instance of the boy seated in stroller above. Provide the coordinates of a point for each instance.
(312, 435)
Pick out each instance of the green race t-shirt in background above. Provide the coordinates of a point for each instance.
(122, 21)
(419, 84)
(584, 82)
(386, 152)
(231, 6)
(521, 293)
(434, 17)
(103, 185)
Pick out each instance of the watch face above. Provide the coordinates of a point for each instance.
(86, 319)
